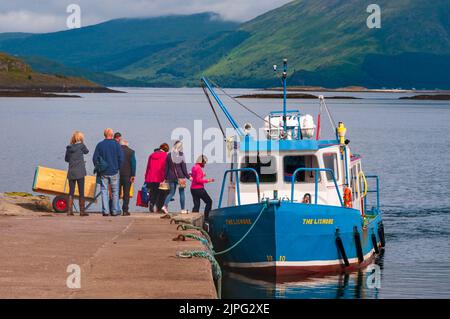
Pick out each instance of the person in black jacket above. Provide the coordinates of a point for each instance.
(77, 170)
(127, 174)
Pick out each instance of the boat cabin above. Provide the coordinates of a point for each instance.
(294, 166)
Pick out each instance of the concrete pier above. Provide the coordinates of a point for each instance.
(119, 257)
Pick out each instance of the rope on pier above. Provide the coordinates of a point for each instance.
(204, 241)
(201, 230)
(217, 272)
(210, 253)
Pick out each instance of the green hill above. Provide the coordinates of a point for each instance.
(115, 44)
(17, 75)
(327, 43)
(44, 65)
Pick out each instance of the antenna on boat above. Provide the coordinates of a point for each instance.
(284, 80)
(285, 61)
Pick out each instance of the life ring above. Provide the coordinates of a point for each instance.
(348, 201)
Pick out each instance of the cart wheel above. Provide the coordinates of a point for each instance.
(60, 204)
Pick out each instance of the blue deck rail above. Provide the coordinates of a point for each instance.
(316, 182)
(237, 171)
(377, 191)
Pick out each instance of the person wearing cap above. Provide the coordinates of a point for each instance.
(198, 190)
(127, 174)
(108, 158)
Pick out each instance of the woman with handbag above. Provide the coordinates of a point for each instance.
(176, 175)
(155, 176)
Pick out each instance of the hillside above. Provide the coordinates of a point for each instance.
(115, 44)
(17, 75)
(327, 42)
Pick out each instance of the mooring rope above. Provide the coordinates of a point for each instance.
(245, 235)
(210, 253)
(217, 272)
(204, 241)
(201, 230)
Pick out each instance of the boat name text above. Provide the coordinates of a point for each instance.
(318, 221)
(238, 221)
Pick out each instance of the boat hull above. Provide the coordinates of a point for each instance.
(293, 238)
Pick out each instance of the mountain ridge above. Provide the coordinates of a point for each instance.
(327, 43)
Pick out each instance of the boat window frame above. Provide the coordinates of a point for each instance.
(274, 159)
(314, 155)
(335, 171)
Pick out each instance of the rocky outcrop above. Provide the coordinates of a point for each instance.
(10, 64)
(13, 204)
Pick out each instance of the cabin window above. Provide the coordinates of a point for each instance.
(265, 166)
(292, 163)
(330, 161)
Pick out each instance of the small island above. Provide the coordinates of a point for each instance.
(17, 79)
(290, 96)
(428, 97)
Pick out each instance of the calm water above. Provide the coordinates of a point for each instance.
(405, 142)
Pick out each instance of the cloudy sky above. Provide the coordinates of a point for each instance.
(51, 15)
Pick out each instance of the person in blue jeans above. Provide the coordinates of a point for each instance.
(176, 176)
(108, 158)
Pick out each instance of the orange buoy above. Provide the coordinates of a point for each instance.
(348, 197)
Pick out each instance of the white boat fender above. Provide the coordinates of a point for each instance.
(307, 126)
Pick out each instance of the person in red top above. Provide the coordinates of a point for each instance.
(155, 175)
(198, 187)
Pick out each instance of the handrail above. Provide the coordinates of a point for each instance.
(377, 178)
(237, 170)
(361, 174)
(316, 186)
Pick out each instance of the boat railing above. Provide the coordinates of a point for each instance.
(376, 191)
(316, 182)
(237, 171)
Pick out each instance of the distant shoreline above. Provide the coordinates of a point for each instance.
(53, 92)
(353, 89)
(292, 96)
(34, 94)
(436, 97)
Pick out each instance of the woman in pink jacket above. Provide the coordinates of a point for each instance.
(198, 187)
(155, 175)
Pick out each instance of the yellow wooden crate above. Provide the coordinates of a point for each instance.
(54, 182)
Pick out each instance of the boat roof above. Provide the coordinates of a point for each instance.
(251, 145)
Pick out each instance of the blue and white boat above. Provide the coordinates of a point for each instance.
(268, 224)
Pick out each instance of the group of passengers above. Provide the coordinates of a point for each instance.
(115, 167)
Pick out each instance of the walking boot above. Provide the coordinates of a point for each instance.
(83, 208)
(70, 206)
